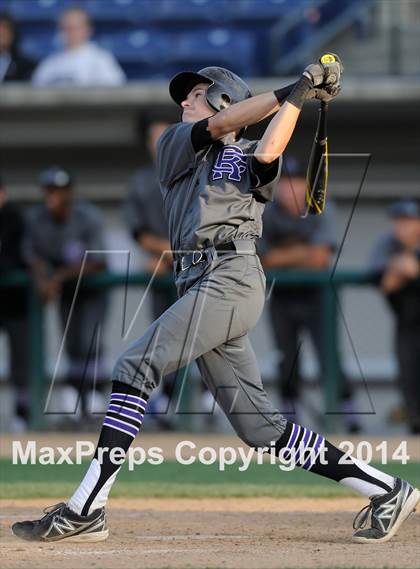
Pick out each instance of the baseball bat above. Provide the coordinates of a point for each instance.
(317, 172)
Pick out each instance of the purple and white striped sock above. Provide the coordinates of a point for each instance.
(122, 422)
(125, 413)
(303, 446)
(311, 451)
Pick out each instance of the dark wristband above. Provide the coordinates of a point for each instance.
(282, 94)
(200, 136)
(301, 89)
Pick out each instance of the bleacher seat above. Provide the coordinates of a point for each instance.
(156, 38)
(114, 11)
(4, 5)
(38, 45)
(330, 9)
(217, 46)
(141, 52)
(141, 44)
(38, 10)
(151, 52)
(261, 10)
(187, 11)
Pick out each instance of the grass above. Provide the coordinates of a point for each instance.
(172, 479)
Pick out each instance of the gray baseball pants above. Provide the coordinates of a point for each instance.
(219, 302)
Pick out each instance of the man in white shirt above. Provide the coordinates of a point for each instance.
(82, 62)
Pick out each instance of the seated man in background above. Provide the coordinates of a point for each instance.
(13, 304)
(144, 215)
(61, 231)
(396, 267)
(82, 62)
(13, 66)
(290, 242)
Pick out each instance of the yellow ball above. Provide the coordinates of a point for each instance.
(328, 58)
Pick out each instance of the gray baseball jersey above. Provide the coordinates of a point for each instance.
(211, 196)
(405, 301)
(281, 227)
(61, 244)
(65, 244)
(384, 249)
(143, 212)
(143, 209)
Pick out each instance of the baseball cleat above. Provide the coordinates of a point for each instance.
(389, 511)
(61, 523)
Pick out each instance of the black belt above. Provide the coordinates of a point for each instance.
(200, 256)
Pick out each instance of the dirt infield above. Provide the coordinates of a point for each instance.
(229, 533)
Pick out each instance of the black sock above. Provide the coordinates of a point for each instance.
(311, 451)
(121, 425)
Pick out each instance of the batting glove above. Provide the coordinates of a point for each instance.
(327, 72)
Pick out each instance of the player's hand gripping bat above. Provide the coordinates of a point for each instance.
(317, 172)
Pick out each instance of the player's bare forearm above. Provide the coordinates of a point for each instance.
(250, 111)
(319, 257)
(402, 269)
(392, 281)
(154, 244)
(290, 256)
(39, 272)
(73, 271)
(43, 282)
(299, 255)
(277, 134)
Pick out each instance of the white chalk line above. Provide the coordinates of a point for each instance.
(80, 550)
(102, 552)
(186, 537)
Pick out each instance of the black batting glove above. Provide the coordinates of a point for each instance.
(326, 94)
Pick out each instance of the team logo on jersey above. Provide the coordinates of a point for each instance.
(231, 161)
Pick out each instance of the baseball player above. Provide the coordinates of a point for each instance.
(395, 265)
(59, 231)
(214, 184)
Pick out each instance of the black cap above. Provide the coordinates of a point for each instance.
(404, 208)
(55, 177)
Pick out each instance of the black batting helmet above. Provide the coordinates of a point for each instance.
(225, 87)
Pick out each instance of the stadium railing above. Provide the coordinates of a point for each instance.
(329, 284)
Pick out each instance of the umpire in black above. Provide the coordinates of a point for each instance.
(291, 242)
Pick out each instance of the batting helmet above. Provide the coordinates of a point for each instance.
(225, 88)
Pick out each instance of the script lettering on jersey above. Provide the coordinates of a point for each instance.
(231, 161)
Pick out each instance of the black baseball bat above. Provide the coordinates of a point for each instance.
(317, 172)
